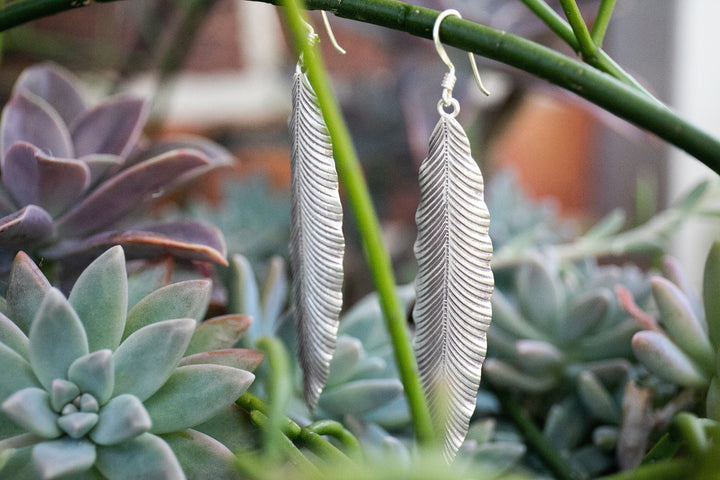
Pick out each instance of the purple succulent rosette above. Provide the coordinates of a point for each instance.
(71, 173)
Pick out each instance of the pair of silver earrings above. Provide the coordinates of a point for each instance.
(454, 281)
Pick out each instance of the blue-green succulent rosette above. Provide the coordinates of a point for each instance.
(90, 389)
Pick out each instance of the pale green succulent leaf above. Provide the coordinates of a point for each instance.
(495, 459)
(30, 408)
(274, 294)
(27, 287)
(540, 294)
(201, 456)
(99, 297)
(605, 437)
(244, 294)
(62, 392)
(147, 279)
(584, 315)
(193, 394)
(482, 430)
(711, 294)
(565, 425)
(663, 358)
(612, 342)
(188, 299)
(145, 456)
(124, 417)
(94, 374)
(241, 358)
(681, 323)
(5, 456)
(371, 367)
(77, 424)
(21, 377)
(88, 403)
(147, 358)
(508, 377)
(590, 461)
(13, 337)
(342, 366)
(218, 333)
(231, 427)
(359, 396)
(537, 356)
(507, 317)
(597, 399)
(394, 414)
(19, 466)
(57, 338)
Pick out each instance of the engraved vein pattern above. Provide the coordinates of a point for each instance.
(316, 239)
(454, 281)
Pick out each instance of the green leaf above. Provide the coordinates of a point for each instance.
(584, 315)
(99, 297)
(145, 456)
(201, 456)
(193, 394)
(218, 333)
(540, 296)
(565, 425)
(57, 338)
(19, 466)
(17, 372)
(508, 377)
(188, 299)
(609, 225)
(494, 459)
(147, 358)
(666, 360)
(27, 287)
(232, 428)
(597, 399)
(538, 357)
(360, 396)
(342, 366)
(77, 424)
(244, 296)
(124, 417)
(241, 358)
(13, 337)
(30, 408)
(712, 400)
(711, 294)
(94, 374)
(507, 317)
(147, 279)
(62, 392)
(274, 294)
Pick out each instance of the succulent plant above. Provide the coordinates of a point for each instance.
(103, 385)
(71, 173)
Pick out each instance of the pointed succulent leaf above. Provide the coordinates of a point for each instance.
(25, 228)
(193, 394)
(218, 333)
(26, 289)
(605, 437)
(21, 375)
(217, 154)
(101, 166)
(28, 118)
(507, 317)
(343, 363)
(244, 295)
(117, 196)
(88, 403)
(597, 399)
(63, 458)
(508, 377)
(712, 400)
(112, 127)
(711, 296)
(673, 271)
(77, 424)
(94, 374)
(565, 425)
(496, 458)
(62, 392)
(53, 183)
(666, 360)
(360, 396)
(145, 456)
(274, 294)
(56, 323)
(681, 323)
(230, 427)
(584, 315)
(30, 408)
(57, 86)
(201, 456)
(145, 360)
(149, 277)
(241, 358)
(99, 297)
(124, 417)
(540, 296)
(13, 337)
(608, 343)
(538, 356)
(188, 299)
(392, 415)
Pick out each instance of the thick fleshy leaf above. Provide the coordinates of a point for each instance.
(274, 293)
(218, 333)
(145, 456)
(597, 399)
(147, 278)
(609, 342)
(508, 377)
(94, 374)
(101, 166)
(584, 315)
(53, 183)
(241, 358)
(56, 323)
(507, 317)
(123, 418)
(145, 360)
(232, 427)
(244, 295)
(494, 459)
(196, 241)
(62, 392)
(63, 457)
(19, 466)
(360, 396)
(566, 424)
(13, 337)
(711, 296)
(538, 356)
(202, 456)
(712, 400)
(99, 297)
(25, 228)
(57, 86)
(17, 374)
(188, 299)
(217, 154)
(112, 127)
(27, 287)
(342, 366)
(541, 296)
(29, 118)
(114, 198)
(666, 360)
(77, 424)
(30, 408)
(193, 394)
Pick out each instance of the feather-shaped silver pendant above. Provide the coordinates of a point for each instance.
(316, 238)
(454, 281)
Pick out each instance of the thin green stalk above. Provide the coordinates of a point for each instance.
(602, 20)
(18, 13)
(586, 46)
(665, 470)
(353, 180)
(279, 391)
(336, 430)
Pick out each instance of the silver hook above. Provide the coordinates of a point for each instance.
(331, 36)
(449, 80)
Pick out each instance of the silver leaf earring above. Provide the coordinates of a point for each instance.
(316, 238)
(454, 281)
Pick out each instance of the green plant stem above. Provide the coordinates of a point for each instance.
(279, 391)
(336, 430)
(692, 430)
(353, 180)
(586, 46)
(549, 455)
(665, 470)
(602, 20)
(17, 13)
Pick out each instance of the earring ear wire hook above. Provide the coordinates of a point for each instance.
(330, 33)
(449, 79)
